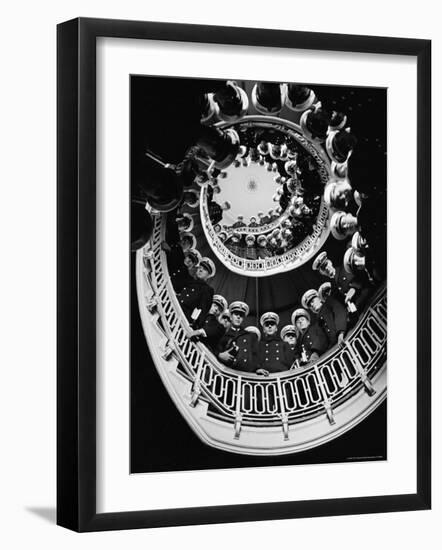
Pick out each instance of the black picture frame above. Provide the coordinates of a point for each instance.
(76, 274)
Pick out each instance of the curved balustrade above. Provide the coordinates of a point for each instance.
(259, 230)
(245, 413)
(301, 252)
(271, 265)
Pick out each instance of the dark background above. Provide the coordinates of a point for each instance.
(165, 118)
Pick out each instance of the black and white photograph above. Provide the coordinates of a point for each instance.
(220, 245)
(258, 273)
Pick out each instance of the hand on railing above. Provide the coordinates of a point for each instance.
(263, 372)
(226, 357)
(341, 339)
(196, 334)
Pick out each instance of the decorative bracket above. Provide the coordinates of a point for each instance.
(285, 425)
(237, 425)
(196, 392)
(329, 412)
(168, 350)
(152, 305)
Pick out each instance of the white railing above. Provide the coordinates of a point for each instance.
(247, 401)
(258, 230)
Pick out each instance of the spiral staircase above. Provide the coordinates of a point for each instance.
(245, 413)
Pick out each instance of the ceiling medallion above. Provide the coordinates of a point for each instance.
(252, 185)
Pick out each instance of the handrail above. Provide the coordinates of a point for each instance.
(259, 229)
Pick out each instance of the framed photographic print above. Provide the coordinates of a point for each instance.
(241, 215)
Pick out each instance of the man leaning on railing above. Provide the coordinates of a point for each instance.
(196, 297)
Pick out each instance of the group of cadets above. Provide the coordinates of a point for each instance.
(292, 228)
(189, 271)
(320, 324)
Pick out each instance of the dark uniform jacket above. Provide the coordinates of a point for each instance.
(236, 248)
(251, 253)
(274, 354)
(332, 318)
(372, 226)
(214, 332)
(312, 340)
(196, 294)
(215, 212)
(263, 252)
(293, 355)
(238, 224)
(179, 274)
(344, 281)
(246, 348)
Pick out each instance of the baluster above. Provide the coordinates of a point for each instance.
(196, 389)
(363, 375)
(238, 416)
(326, 400)
(378, 318)
(152, 305)
(168, 350)
(283, 415)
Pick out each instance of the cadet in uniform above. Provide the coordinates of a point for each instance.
(239, 222)
(338, 195)
(216, 211)
(332, 317)
(212, 330)
(312, 341)
(343, 225)
(175, 251)
(273, 353)
(226, 320)
(191, 260)
(251, 252)
(191, 197)
(185, 222)
(262, 251)
(352, 289)
(239, 348)
(266, 219)
(289, 335)
(196, 297)
(234, 244)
